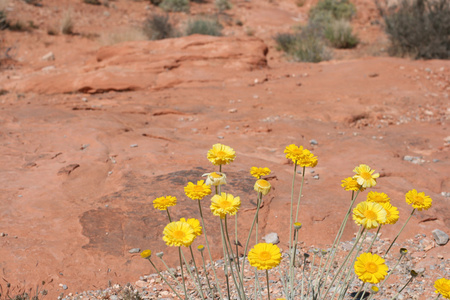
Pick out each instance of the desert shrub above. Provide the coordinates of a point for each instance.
(222, 5)
(156, 2)
(93, 2)
(420, 28)
(175, 5)
(3, 20)
(158, 27)
(306, 46)
(67, 23)
(123, 35)
(340, 9)
(339, 34)
(205, 26)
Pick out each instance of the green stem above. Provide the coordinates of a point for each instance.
(209, 251)
(258, 201)
(374, 238)
(391, 270)
(171, 274)
(300, 194)
(168, 214)
(163, 278)
(337, 239)
(248, 240)
(207, 277)
(196, 272)
(268, 286)
(182, 273)
(292, 206)
(410, 279)
(399, 233)
(236, 241)
(361, 230)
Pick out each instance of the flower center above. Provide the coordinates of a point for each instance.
(221, 153)
(365, 175)
(371, 267)
(297, 152)
(446, 287)
(225, 204)
(418, 200)
(215, 175)
(179, 234)
(198, 188)
(265, 255)
(370, 214)
(378, 199)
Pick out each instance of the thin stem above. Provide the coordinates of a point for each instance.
(236, 242)
(410, 279)
(361, 289)
(207, 277)
(163, 278)
(182, 273)
(196, 272)
(387, 251)
(374, 238)
(300, 194)
(361, 230)
(170, 273)
(268, 287)
(391, 270)
(168, 214)
(229, 257)
(209, 251)
(248, 240)
(337, 239)
(437, 296)
(292, 205)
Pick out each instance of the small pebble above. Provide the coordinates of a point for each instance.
(133, 145)
(440, 237)
(134, 250)
(313, 142)
(220, 137)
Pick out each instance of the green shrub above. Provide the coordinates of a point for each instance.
(340, 9)
(175, 5)
(222, 5)
(339, 34)
(93, 2)
(3, 20)
(158, 27)
(305, 46)
(205, 26)
(420, 28)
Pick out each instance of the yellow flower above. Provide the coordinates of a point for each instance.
(225, 204)
(442, 287)
(178, 234)
(146, 253)
(370, 268)
(195, 224)
(309, 160)
(300, 156)
(262, 186)
(392, 213)
(378, 197)
(258, 172)
(418, 200)
(350, 184)
(264, 256)
(197, 191)
(162, 203)
(365, 177)
(215, 178)
(221, 155)
(369, 214)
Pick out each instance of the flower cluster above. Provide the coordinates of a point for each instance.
(300, 156)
